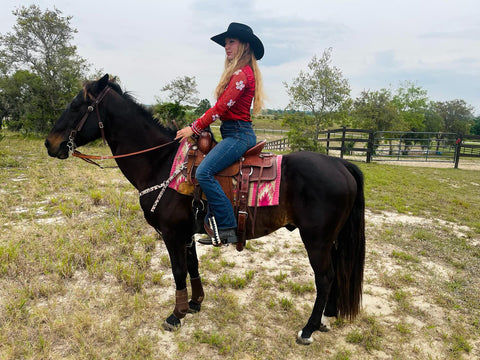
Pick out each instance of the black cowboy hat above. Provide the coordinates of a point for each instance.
(243, 33)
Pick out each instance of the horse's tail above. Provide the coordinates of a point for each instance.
(349, 253)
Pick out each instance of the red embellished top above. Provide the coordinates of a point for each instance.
(233, 104)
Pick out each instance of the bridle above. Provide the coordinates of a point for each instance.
(89, 158)
(93, 106)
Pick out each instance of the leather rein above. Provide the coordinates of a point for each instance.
(89, 158)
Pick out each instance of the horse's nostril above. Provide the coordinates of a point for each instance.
(47, 143)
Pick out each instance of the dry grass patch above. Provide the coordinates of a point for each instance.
(82, 276)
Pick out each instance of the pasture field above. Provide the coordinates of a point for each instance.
(82, 276)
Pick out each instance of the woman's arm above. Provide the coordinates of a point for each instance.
(235, 89)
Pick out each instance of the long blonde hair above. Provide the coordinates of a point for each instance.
(244, 57)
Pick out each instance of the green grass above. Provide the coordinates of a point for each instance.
(402, 256)
(369, 336)
(82, 276)
(235, 282)
(448, 194)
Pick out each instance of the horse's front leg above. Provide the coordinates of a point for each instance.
(178, 259)
(197, 289)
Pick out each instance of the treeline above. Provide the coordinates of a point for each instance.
(40, 72)
(407, 109)
(323, 91)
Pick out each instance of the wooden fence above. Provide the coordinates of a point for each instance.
(348, 141)
(391, 146)
(278, 145)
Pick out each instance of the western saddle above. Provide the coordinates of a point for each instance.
(254, 166)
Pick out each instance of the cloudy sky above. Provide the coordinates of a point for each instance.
(434, 44)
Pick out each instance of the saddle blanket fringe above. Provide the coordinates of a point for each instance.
(268, 193)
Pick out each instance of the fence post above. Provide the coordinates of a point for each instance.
(342, 147)
(458, 146)
(371, 141)
(428, 148)
(328, 141)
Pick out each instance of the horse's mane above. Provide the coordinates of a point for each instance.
(142, 109)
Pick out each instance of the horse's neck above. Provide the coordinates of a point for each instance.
(128, 134)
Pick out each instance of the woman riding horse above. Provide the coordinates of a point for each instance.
(239, 85)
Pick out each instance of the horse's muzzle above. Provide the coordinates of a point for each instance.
(59, 151)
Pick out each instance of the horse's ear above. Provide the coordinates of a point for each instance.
(102, 83)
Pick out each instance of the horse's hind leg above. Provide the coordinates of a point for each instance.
(320, 259)
(331, 309)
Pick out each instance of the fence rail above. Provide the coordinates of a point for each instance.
(278, 145)
(393, 145)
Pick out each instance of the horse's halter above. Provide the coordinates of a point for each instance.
(94, 106)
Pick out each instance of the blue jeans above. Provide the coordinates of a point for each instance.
(238, 137)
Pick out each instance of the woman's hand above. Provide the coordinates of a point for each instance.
(184, 133)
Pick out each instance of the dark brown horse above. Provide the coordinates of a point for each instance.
(320, 195)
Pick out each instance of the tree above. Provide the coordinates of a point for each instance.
(182, 91)
(411, 102)
(457, 116)
(475, 130)
(18, 96)
(433, 120)
(169, 112)
(182, 96)
(322, 91)
(375, 110)
(301, 137)
(202, 107)
(41, 44)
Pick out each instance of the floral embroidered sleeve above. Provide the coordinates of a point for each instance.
(234, 90)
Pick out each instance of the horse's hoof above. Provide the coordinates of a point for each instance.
(172, 323)
(193, 307)
(303, 341)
